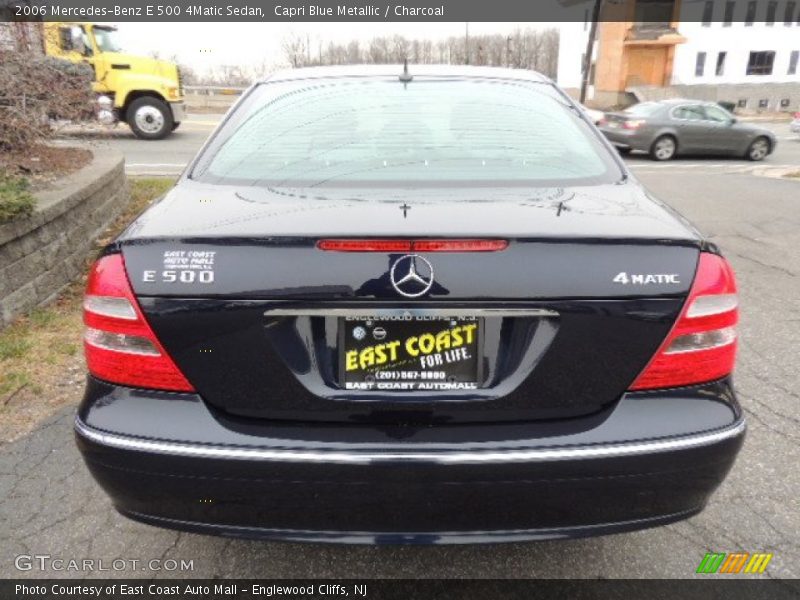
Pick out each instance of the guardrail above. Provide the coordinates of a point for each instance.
(214, 90)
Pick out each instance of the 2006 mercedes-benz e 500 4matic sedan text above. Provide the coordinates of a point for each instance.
(426, 305)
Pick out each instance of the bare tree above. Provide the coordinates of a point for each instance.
(261, 69)
(425, 52)
(35, 89)
(294, 47)
(233, 75)
(523, 49)
(378, 51)
(189, 75)
(401, 48)
(353, 53)
(550, 45)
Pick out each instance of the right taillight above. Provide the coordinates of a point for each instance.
(702, 344)
(119, 344)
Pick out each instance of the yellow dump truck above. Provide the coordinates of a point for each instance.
(144, 92)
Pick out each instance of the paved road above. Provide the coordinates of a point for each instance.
(162, 157)
(51, 506)
(169, 156)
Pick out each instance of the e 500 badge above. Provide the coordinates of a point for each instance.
(179, 276)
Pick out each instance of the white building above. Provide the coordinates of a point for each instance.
(741, 51)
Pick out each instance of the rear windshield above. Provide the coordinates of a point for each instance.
(645, 109)
(375, 132)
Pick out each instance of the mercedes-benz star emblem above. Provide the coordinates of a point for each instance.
(412, 275)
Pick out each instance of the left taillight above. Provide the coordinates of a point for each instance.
(702, 344)
(119, 344)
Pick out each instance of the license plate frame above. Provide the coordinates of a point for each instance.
(446, 369)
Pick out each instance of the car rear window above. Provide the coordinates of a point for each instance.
(322, 132)
(645, 109)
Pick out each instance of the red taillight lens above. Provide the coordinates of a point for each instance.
(365, 245)
(459, 245)
(634, 124)
(702, 344)
(120, 347)
(412, 245)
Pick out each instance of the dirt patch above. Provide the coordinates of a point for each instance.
(43, 164)
(41, 355)
(42, 364)
(777, 172)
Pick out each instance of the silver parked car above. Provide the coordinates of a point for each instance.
(594, 115)
(670, 127)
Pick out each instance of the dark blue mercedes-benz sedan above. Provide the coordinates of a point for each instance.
(409, 305)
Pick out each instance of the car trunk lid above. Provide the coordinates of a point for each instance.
(253, 311)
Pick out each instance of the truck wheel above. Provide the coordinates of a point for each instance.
(150, 118)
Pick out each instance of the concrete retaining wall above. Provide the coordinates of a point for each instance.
(41, 254)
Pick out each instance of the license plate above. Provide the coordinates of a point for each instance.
(409, 353)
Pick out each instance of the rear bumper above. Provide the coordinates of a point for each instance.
(628, 139)
(468, 484)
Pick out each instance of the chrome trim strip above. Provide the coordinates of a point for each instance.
(384, 312)
(442, 458)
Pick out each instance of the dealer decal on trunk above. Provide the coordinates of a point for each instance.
(184, 266)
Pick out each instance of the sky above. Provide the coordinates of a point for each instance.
(202, 46)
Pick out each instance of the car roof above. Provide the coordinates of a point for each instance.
(413, 69)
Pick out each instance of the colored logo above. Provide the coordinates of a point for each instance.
(734, 562)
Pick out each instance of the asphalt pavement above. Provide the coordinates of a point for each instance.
(52, 506)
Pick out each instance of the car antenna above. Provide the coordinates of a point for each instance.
(405, 77)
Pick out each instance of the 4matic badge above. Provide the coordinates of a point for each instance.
(646, 278)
